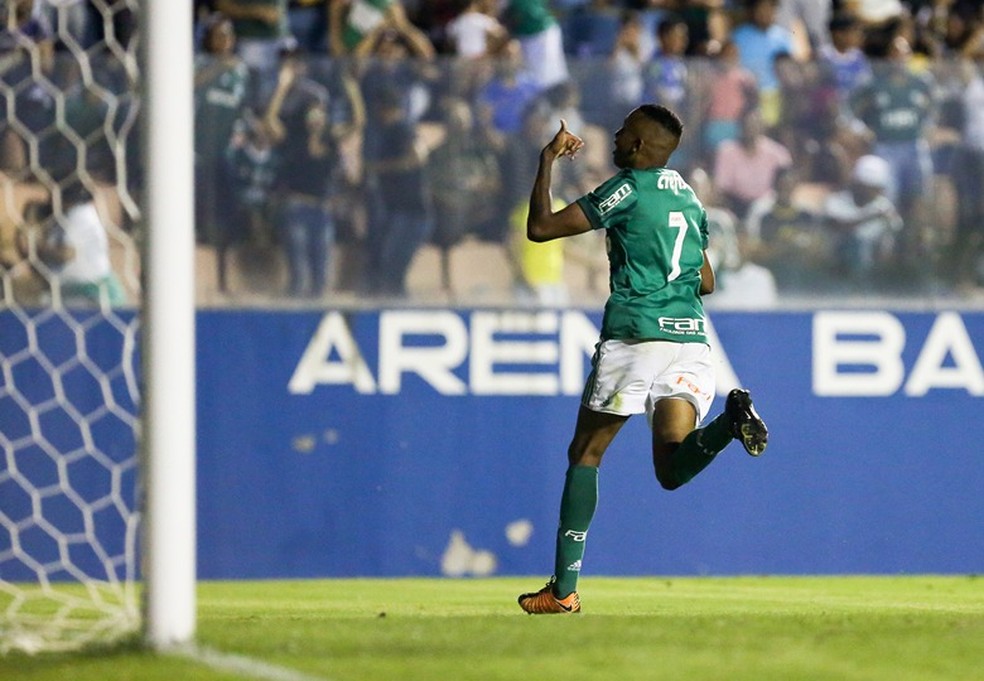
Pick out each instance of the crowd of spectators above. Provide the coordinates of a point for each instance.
(838, 143)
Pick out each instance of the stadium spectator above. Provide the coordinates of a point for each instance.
(540, 38)
(785, 235)
(959, 31)
(863, 221)
(520, 156)
(23, 209)
(729, 91)
(27, 49)
(624, 76)
(875, 13)
(307, 21)
(221, 87)
(391, 60)
(760, 40)
(745, 169)
(404, 220)
(465, 183)
(739, 282)
(475, 36)
(592, 28)
(666, 75)
(253, 166)
(898, 106)
(967, 174)
(810, 122)
(73, 22)
(353, 25)
(809, 18)
(78, 248)
(505, 96)
(307, 138)
(538, 268)
(262, 31)
(843, 57)
(476, 32)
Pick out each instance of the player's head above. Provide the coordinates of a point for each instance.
(647, 138)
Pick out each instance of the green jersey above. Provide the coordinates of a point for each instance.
(897, 105)
(363, 16)
(656, 235)
(254, 29)
(528, 17)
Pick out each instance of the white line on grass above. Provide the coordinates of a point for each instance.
(239, 664)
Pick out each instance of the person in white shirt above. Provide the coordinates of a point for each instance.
(863, 219)
(740, 283)
(476, 32)
(86, 273)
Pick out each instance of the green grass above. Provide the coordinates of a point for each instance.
(697, 629)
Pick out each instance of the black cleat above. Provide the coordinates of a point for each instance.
(746, 426)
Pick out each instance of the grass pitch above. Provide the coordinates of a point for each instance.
(699, 629)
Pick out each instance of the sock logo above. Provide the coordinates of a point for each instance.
(575, 535)
(575, 566)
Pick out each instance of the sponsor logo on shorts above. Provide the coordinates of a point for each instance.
(616, 198)
(690, 386)
(681, 326)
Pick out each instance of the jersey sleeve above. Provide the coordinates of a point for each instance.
(611, 201)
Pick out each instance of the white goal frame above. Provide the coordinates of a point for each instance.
(168, 335)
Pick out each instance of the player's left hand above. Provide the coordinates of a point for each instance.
(564, 143)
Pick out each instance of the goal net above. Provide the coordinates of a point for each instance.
(69, 298)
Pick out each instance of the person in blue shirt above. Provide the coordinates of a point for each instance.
(760, 40)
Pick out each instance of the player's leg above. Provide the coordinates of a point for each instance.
(680, 398)
(592, 435)
(681, 451)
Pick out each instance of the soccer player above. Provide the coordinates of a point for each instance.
(653, 355)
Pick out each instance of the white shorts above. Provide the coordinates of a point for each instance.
(629, 377)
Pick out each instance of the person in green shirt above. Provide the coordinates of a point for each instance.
(541, 40)
(652, 356)
(354, 26)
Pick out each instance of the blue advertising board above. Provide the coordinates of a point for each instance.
(429, 442)
(433, 442)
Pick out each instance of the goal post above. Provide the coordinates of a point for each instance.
(97, 373)
(168, 456)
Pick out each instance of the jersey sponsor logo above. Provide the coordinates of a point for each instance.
(616, 198)
(671, 180)
(681, 326)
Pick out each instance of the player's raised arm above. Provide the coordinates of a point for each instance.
(543, 224)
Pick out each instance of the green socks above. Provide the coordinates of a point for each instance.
(700, 447)
(580, 497)
(577, 507)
